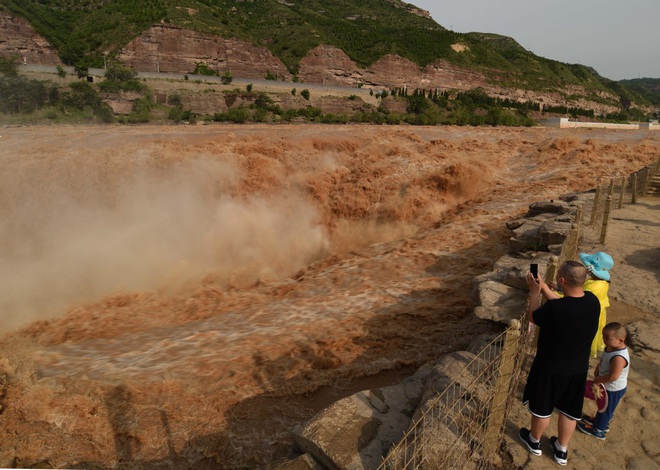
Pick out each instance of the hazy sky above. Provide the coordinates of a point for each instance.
(619, 38)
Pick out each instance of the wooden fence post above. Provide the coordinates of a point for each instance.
(551, 269)
(505, 375)
(594, 208)
(634, 189)
(623, 190)
(611, 190)
(606, 218)
(578, 220)
(653, 170)
(575, 240)
(550, 275)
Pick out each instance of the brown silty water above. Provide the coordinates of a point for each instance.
(161, 287)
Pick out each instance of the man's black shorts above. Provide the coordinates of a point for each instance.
(546, 392)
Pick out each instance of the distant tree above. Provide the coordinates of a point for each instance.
(293, 92)
(417, 103)
(118, 78)
(175, 113)
(141, 110)
(19, 95)
(73, 52)
(82, 95)
(260, 115)
(8, 66)
(116, 71)
(227, 78)
(238, 115)
(203, 69)
(81, 70)
(625, 102)
(174, 100)
(264, 101)
(249, 87)
(305, 94)
(61, 72)
(189, 116)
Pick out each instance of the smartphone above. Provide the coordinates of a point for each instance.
(534, 269)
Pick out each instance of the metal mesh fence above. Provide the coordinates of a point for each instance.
(461, 428)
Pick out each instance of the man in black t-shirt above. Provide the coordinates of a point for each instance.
(558, 376)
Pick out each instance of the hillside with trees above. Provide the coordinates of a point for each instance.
(92, 33)
(649, 88)
(85, 31)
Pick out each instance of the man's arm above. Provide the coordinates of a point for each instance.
(534, 286)
(549, 293)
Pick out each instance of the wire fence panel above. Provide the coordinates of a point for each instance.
(455, 429)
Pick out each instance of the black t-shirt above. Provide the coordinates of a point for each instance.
(567, 328)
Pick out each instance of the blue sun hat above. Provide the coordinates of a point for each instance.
(598, 264)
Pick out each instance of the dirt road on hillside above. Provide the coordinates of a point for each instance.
(162, 286)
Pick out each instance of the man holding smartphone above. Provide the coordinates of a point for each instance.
(558, 375)
(534, 269)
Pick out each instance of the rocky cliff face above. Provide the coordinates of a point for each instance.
(169, 49)
(165, 48)
(17, 37)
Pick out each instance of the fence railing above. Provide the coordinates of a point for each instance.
(619, 190)
(463, 426)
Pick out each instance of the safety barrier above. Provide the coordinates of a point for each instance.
(462, 427)
(613, 195)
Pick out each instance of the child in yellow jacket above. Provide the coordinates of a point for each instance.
(598, 283)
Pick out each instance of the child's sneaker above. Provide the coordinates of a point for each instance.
(560, 457)
(590, 421)
(591, 431)
(533, 447)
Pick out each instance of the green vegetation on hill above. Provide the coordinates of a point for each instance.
(89, 33)
(23, 100)
(84, 30)
(26, 100)
(366, 30)
(649, 88)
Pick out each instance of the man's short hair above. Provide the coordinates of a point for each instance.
(573, 272)
(617, 328)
